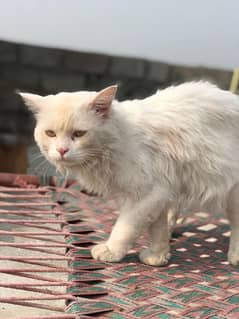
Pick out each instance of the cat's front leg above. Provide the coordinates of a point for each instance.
(122, 237)
(135, 217)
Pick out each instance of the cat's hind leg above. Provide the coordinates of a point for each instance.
(233, 216)
(157, 254)
(172, 219)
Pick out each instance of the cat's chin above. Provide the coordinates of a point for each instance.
(64, 163)
(64, 167)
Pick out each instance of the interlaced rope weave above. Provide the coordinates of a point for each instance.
(46, 271)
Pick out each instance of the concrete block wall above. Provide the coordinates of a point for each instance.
(48, 70)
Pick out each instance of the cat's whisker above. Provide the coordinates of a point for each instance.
(36, 160)
(35, 164)
(44, 162)
(66, 175)
(48, 169)
(85, 164)
(85, 153)
(37, 155)
(91, 155)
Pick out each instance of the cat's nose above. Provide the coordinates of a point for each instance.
(62, 150)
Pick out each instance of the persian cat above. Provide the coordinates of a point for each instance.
(177, 149)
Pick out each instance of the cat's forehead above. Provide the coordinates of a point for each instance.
(63, 110)
(73, 99)
(67, 104)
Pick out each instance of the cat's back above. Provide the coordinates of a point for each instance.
(186, 121)
(187, 135)
(192, 97)
(193, 103)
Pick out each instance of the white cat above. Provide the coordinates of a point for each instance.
(177, 149)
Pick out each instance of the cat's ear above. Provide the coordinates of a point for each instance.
(103, 100)
(32, 101)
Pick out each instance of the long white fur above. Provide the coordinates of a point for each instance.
(177, 149)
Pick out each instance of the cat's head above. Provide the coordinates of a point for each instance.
(68, 124)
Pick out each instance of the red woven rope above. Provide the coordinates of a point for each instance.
(36, 210)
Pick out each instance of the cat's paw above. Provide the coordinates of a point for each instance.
(103, 253)
(233, 257)
(150, 258)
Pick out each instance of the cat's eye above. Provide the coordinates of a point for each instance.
(78, 133)
(50, 133)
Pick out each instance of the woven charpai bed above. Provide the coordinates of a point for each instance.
(46, 269)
